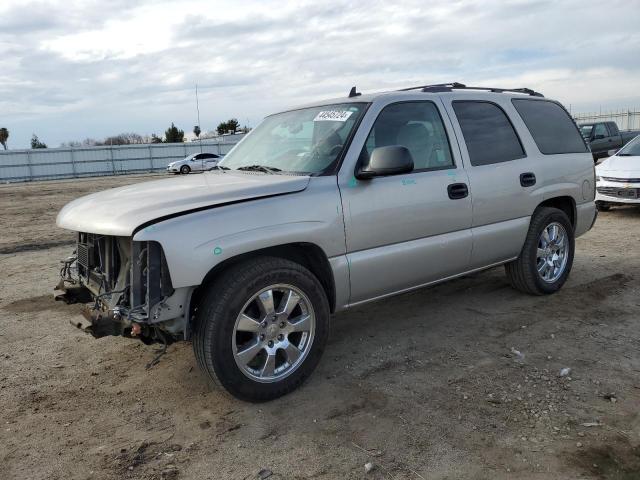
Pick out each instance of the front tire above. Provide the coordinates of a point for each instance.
(546, 258)
(261, 328)
(185, 169)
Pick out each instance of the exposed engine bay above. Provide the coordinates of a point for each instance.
(126, 288)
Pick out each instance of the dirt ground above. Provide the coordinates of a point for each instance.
(428, 385)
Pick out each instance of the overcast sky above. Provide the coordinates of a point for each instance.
(76, 69)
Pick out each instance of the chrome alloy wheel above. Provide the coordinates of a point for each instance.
(273, 333)
(553, 252)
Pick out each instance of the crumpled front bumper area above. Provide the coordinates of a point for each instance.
(96, 322)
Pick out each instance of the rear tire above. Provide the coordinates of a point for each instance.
(544, 265)
(185, 169)
(234, 320)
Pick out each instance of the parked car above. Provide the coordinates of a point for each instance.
(618, 177)
(196, 162)
(604, 137)
(326, 207)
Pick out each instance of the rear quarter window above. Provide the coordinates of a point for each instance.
(551, 127)
(487, 132)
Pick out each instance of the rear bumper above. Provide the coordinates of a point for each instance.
(586, 215)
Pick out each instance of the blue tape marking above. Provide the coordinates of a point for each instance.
(217, 251)
(352, 182)
(408, 181)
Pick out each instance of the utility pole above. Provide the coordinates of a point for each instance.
(198, 109)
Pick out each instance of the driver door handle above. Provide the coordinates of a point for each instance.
(457, 191)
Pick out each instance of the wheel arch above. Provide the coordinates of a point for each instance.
(565, 203)
(309, 255)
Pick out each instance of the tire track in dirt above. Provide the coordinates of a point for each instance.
(29, 247)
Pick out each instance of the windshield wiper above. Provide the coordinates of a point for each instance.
(218, 167)
(259, 168)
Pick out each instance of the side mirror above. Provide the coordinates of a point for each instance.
(390, 160)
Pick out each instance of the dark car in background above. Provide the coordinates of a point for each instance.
(605, 138)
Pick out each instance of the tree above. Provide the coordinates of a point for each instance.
(124, 139)
(4, 136)
(155, 139)
(230, 126)
(36, 143)
(173, 134)
(196, 131)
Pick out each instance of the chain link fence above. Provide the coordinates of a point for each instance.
(72, 162)
(625, 119)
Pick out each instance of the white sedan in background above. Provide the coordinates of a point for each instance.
(196, 162)
(618, 177)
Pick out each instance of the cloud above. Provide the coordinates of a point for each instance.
(91, 68)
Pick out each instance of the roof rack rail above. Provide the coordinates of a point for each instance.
(448, 87)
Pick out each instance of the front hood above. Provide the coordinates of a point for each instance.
(626, 167)
(120, 211)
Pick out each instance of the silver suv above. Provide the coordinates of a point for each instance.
(329, 206)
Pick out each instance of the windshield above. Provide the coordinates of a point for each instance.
(631, 149)
(586, 130)
(308, 141)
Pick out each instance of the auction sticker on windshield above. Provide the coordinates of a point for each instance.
(332, 116)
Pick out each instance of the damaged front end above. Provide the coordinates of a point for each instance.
(126, 288)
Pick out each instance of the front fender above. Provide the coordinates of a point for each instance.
(195, 243)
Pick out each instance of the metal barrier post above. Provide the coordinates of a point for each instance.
(113, 164)
(73, 164)
(29, 166)
(150, 159)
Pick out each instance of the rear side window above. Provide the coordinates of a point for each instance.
(551, 126)
(487, 132)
